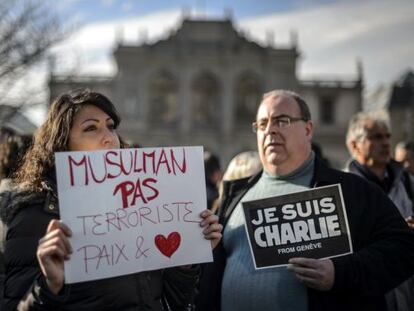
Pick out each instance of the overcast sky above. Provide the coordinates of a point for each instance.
(332, 35)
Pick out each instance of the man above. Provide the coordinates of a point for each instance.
(404, 153)
(368, 141)
(383, 245)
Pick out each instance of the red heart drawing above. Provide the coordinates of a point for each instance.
(169, 245)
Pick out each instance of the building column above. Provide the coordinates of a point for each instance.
(143, 99)
(184, 97)
(227, 119)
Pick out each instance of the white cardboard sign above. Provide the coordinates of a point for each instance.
(132, 210)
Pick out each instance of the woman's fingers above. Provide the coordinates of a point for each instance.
(56, 241)
(212, 229)
(50, 251)
(57, 233)
(56, 224)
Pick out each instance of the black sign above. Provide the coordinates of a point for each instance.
(310, 224)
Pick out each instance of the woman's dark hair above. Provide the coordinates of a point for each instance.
(53, 135)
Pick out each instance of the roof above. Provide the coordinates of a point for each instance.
(208, 33)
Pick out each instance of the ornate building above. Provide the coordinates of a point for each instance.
(202, 85)
(396, 102)
(401, 108)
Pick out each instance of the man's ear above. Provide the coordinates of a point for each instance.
(353, 146)
(309, 130)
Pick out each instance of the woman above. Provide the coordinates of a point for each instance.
(82, 122)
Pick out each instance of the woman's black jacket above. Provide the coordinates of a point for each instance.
(27, 218)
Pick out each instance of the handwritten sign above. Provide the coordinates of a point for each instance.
(132, 210)
(310, 223)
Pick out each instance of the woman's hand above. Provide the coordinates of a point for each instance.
(212, 229)
(53, 249)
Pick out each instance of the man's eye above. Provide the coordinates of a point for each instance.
(262, 124)
(283, 121)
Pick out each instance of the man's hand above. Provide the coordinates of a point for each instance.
(315, 273)
(410, 222)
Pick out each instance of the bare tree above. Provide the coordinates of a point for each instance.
(28, 30)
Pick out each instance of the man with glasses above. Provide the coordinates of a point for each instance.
(358, 281)
(368, 141)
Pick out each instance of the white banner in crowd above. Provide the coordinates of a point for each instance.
(132, 210)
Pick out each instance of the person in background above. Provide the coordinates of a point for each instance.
(382, 243)
(12, 148)
(404, 153)
(37, 243)
(213, 176)
(243, 165)
(368, 142)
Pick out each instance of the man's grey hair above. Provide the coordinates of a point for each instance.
(357, 126)
(303, 106)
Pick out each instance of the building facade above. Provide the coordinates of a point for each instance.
(401, 108)
(202, 86)
(396, 102)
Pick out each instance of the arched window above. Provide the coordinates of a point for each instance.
(248, 93)
(131, 108)
(327, 110)
(206, 101)
(163, 99)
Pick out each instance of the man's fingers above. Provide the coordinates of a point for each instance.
(305, 262)
(315, 273)
(304, 272)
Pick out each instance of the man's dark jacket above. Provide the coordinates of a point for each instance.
(27, 217)
(383, 247)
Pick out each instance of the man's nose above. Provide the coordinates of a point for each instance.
(271, 128)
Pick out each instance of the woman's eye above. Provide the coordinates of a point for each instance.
(111, 127)
(90, 128)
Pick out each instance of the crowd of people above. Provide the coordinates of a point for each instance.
(377, 190)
